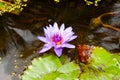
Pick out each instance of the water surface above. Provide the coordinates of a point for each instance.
(18, 42)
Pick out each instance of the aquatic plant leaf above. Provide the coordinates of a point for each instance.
(102, 58)
(70, 69)
(64, 59)
(52, 76)
(117, 56)
(103, 66)
(49, 67)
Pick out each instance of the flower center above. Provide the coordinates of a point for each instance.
(57, 39)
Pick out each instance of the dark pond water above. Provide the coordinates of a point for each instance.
(18, 42)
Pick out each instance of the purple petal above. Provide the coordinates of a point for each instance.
(45, 48)
(42, 39)
(67, 36)
(50, 26)
(67, 45)
(52, 30)
(58, 51)
(67, 30)
(57, 46)
(55, 25)
(62, 27)
(70, 39)
(47, 32)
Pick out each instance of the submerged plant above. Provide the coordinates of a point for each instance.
(57, 38)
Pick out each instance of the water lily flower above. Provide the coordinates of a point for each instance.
(57, 38)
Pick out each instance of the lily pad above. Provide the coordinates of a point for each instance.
(103, 66)
(49, 67)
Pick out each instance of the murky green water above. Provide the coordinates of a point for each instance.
(18, 42)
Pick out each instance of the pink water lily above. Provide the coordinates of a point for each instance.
(57, 38)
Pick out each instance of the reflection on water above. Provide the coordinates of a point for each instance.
(110, 38)
(16, 55)
(18, 42)
(115, 20)
(26, 35)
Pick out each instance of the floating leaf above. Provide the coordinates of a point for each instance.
(100, 57)
(103, 66)
(49, 67)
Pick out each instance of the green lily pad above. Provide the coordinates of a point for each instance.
(49, 67)
(103, 66)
